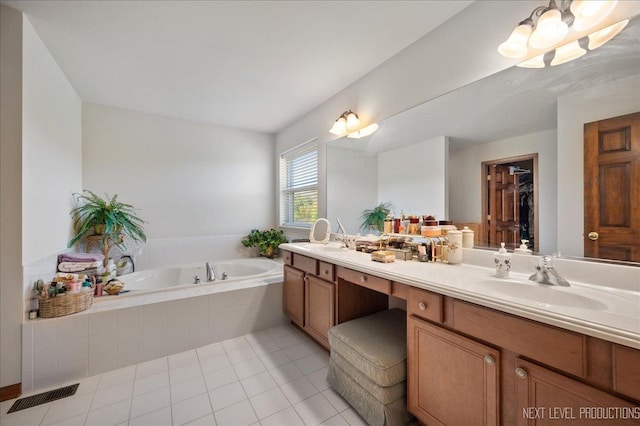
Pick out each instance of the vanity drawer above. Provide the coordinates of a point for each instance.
(326, 271)
(424, 304)
(549, 345)
(306, 264)
(365, 280)
(287, 257)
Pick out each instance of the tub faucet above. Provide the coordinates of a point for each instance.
(546, 273)
(133, 264)
(211, 275)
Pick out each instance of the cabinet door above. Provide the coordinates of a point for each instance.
(452, 380)
(319, 308)
(293, 294)
(548, 398)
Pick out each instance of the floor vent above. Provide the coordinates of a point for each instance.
(43, 398)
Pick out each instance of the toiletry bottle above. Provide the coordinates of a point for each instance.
(523, 249)
(503, 262)
(454, 252)
(467, 237)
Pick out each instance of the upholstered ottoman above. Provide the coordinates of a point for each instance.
(368, 366)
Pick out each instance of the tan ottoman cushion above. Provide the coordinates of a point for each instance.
(376, 345)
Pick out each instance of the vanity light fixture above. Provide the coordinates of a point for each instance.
(345, 123)
(549, 26)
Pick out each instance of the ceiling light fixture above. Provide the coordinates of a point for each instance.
(347, 122)
(549, 26)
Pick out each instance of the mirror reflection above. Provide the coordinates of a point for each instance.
(433, 159)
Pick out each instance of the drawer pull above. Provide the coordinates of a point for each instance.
(325, 272)
(521, 373)
(422, 306)
(489, 360)
(363, 278)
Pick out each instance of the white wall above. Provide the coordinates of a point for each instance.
(11, 24)
(51, 151)
(465, 179)
(414, 178)
(616, 98)
(188, 179)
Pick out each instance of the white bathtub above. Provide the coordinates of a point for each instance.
(181, 276)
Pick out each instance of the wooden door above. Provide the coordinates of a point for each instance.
(504, 207)
(612, 188)
(452, 380)
(548, 398)
(319, 308)
(293, 294)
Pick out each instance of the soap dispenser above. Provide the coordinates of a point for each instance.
(503, 262)
(523, 249)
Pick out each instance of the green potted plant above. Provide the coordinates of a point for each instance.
(268, 241)
(107, 217)
(373, 219)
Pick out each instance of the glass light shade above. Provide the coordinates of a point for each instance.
(339, 126)
(352, 121)
(549, 30)
(365, 131)
(589, 13)
(567, 52)
(535, 62)
(516, 44)
(602, 36)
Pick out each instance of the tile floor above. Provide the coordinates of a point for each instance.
(271, 377)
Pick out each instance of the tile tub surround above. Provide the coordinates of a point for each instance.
(276, 376)
(613, 289)
(113, 333)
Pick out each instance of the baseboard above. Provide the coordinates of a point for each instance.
(10, 392)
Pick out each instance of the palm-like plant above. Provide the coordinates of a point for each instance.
(374, 218)
(114, 217)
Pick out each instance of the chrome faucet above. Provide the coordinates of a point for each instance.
(133, 264)
(546, 273)
(211, 275)
(345, 236)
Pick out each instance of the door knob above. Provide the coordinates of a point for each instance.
(593, 236)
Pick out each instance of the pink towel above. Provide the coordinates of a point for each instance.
(80, 257)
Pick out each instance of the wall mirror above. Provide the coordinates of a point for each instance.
(427, 160)
(320, 231)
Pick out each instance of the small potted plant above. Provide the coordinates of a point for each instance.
(268, 241)
(373, 219)
(107, 217)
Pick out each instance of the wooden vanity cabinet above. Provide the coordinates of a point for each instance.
(293, 294)
(319, 305)
(452, 380)
(309, 295)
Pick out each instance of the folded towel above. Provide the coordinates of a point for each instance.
(80, 257)
(77, 266)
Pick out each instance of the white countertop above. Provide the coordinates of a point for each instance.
(607, 312)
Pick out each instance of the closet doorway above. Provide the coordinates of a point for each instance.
(510, 202)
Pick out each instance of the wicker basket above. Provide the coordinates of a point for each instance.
(68, 304)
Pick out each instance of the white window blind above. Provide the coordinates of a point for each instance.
(299, 185)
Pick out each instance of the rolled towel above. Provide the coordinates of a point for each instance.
(77, 266)
(80, 257)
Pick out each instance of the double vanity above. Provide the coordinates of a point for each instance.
(483, 350)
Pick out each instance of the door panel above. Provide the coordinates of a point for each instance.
(504, 207)
(612, 188)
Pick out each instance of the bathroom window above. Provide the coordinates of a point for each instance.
(299, 185)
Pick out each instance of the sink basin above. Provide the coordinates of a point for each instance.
(540, 294)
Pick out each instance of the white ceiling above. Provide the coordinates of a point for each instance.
(247, 64)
